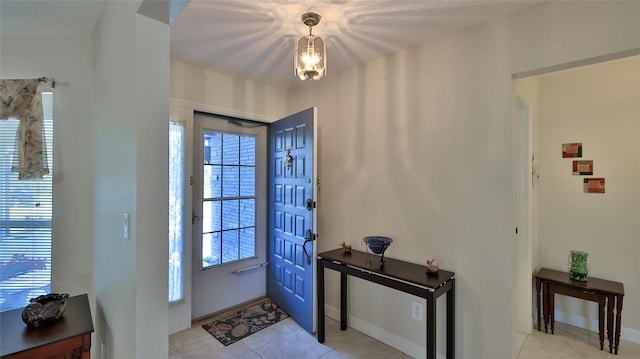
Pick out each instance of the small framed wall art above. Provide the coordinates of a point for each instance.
(583, 167)
(594, 185)
(572, 150)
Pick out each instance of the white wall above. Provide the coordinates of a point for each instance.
(68, 61)
(599, 106)
(418, 146)
(130, 61)
(225, 95)
(152, 185)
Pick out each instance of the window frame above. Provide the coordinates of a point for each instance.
(222, 198)
(23, 257)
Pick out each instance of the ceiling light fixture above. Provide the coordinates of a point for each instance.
(310, 57)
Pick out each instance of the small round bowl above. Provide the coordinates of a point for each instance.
(45, 309)
(377, 244)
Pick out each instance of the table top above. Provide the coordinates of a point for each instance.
(16, 336)
(394, 268)
(602, 285)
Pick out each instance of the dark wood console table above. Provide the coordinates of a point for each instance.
(406, 277)
(68, 337)
(606, 293)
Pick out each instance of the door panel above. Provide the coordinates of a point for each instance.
(229, 207)
(292, 179)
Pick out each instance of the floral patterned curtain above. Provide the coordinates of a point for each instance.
(22, 99)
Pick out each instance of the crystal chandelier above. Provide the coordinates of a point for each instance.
(310, 57)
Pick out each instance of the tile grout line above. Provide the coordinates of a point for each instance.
(522, 346)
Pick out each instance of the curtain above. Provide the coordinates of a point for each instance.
(22, 99)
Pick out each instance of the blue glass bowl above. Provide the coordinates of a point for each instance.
(377, 244)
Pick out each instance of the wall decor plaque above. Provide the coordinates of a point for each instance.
(583, 167)
(571, 150)
(593, 185)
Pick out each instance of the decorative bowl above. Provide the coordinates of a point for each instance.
(45, 309)
(377, 244)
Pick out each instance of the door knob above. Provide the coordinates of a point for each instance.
(309, 237)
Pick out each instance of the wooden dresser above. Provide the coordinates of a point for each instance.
(67, 338)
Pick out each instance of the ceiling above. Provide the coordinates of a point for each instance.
(49, 17)
(254, 39)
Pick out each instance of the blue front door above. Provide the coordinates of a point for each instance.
(291, 246)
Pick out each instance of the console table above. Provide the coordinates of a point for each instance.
(68, 337)
(606, 293)
(406, 277)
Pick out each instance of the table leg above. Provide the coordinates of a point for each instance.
(618, 318)
(610, 304)
(545, 305)
(601, 303)
(552, 308)
(320, 299)
(431, 327)
(451, 321)
(343, 301)
(538, 287)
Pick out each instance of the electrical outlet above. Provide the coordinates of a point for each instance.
(417, 310)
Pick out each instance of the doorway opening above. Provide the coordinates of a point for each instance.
(247, 210)
(580, 101)
(229, 243)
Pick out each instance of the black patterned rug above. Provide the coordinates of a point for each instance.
(237, 325)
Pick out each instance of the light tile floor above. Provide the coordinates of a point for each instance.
(283, 340)
(569, 342)
(287, 340)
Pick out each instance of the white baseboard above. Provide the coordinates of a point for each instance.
(579, 321)
(630, 335)
(406, 346)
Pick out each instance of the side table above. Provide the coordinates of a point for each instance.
(608, 294)
(68, 337)
(400, 275)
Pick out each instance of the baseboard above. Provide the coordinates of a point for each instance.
(579, 321)
(406, 346)
(630, 335)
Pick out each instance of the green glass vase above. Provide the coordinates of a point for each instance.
(578, 267)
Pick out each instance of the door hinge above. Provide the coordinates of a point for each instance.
(311, 204)
(516, 230)
(191, 180)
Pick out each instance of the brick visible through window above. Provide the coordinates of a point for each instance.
(229, 198)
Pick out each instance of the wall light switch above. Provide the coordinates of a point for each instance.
(125, 225)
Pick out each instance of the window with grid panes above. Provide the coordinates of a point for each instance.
(229, 198)
(26, 210)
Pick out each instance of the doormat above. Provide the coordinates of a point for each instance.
(239, 324)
